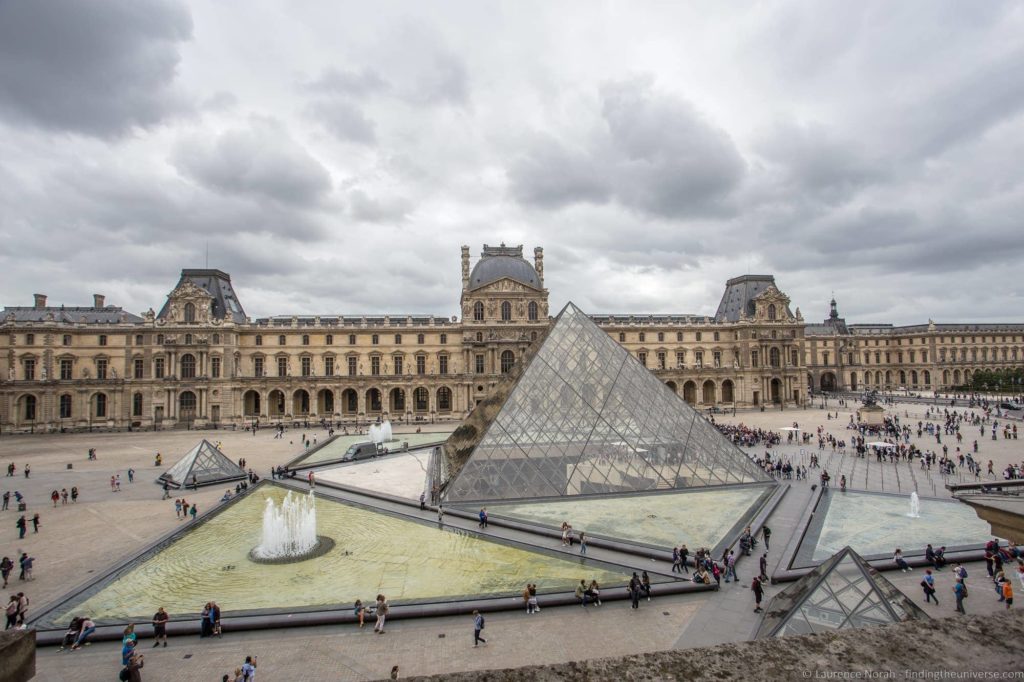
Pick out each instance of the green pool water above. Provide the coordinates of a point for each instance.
(699, 518)
(374, 553)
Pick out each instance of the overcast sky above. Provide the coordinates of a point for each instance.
(335, 155)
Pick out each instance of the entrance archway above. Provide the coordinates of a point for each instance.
(373, 400)
(776, 391)
(325, 402)
(727, 392)
(709, 392)
(853, 381)
(300, 402)
(690, 392)
(187, 405)
(349, 402)
(251, 404)
(828, 382)
(396, 399)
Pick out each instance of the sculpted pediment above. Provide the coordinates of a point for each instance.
(189, 290)
(506, 285)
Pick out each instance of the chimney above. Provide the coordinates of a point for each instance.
(40, 300)
(98, 301)
(538, 264)
(465, 267)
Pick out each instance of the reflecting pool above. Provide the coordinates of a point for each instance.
(875, 524)
(402, 474)
(373, 553)
(698, 518)
(337, 447)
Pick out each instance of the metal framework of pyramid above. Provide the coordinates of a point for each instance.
(843, 592)
(579, 415)
(208, 464)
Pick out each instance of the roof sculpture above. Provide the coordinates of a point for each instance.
(579, 415)
(842, 592)
(208, 464)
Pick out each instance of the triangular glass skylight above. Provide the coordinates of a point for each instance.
(207, 464)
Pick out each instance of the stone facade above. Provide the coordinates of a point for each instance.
(202, 361)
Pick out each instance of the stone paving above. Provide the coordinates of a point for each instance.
(104, 528)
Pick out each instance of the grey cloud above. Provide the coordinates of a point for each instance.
(442, 79)
(355, 83)
(344, 120)
(98, 68)
(364, 208)
(260, 161)
(657, 155)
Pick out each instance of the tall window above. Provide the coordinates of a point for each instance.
(305, 339)
(282, 367)
(420, 339)
(281, 340)
(421, 399)
(661, 336)
(159, 339)
(398, 339)
(375, 339)
(717, 359)
(138, 339)
(257, 367)
(478, 311)
(699, 335)
(444, 339)
(101, 405)
(661, 359)
(190, 313)
(508, 359)
(444, 399)
(531, 311)
(375, 365)
(158, 368)
(771, 311)
(259, 339)
(329, 366)
(479, 337)
(795, 359)
(642, 357)
(352, 362)
(622, 337)
(442, 364)
(680, 358)
(216, 339)
(65, 406)
(30, 408)
(679, 336)
(329, 340)
(137, 405)
(140, 368)
(351, 339)
(399, 362)
(506, 311)
(215, 368)
(479, 363)
(188, 339)
(753, 358)
(101, 368)
(698, 358)
(188, 366)
(642, 337)
(421, 364)
(66, 340)
(774, 360)
(103, 339)
(29, 366)
(66, 366)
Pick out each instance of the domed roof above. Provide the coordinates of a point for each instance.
(492, 268)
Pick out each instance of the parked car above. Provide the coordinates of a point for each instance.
(358, 451)
(1010, 406)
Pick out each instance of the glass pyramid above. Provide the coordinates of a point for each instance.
(208, 464)
(844, 592)
(579, 415)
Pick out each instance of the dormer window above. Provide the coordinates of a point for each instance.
(190, 313)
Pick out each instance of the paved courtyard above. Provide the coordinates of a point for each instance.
(104, 528)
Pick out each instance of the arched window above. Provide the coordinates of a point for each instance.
(444, 399)
(137, 405)
(188, 366)
(190, 313)
(188, 339)
(531, 311)
(479, 337)
(187, 404)
(478, 311)
(506, 311)
(508, 358)
(771, 311)
(216, 339)
(65, 406)
(421, 399)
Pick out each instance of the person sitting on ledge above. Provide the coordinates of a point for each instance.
(226, 496)
(900, 561)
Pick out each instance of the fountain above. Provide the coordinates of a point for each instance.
(381, 433)
(289, 532)
(915, 506)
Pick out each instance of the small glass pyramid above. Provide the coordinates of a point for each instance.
(843, 592)
(579, 415)
(208, 464)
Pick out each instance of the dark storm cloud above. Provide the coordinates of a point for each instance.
(656, 154)
(98, 68)
(259, 161)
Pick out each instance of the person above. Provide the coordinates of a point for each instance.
(249, 669)
(758, 590)
(21, 525)
(960, 592)
(645, 584)
(129, 634)
(195, 482)
(12, 613)
(64, 496)
(55, 496)
(215, 618)
(177, 507)
(167, 491)
(135, 664)
(27, 470)
(131, 475)
(842, 483)
(26, 566)
(583, 542)
(360, 611)
(192, 511)
(928, 585)
(483, 517)
(71, 633)
(312, 479)
(394, 672)
(206, 622)
(382, 614)
(1008, 592)
(764, 566)
(74, 494)
(676, 567)
(423, 501)
(35, 523)
(6, 566)
(478, 626)
(7, 500)
(730, 567)
(900, 562)
(531, 598)
(766, 533)
(634, 591)
(158, 460)
(87, 628)
(127, 650)
(160, 619)
(581, 593)
(440, 515)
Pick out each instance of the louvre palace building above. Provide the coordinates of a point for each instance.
(200, 361)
